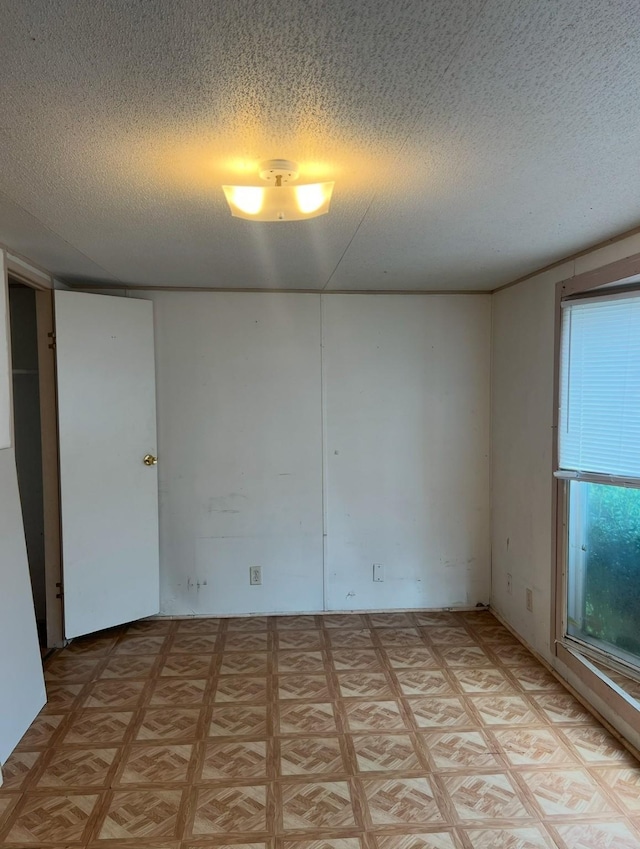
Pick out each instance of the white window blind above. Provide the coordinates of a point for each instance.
(599, 422)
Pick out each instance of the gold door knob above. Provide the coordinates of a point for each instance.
(150, 460)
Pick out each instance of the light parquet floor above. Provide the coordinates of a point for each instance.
(380, 731)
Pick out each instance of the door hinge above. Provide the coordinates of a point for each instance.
(52, 336)
(61, 593)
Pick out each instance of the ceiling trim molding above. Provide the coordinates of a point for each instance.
(596, 247)
(121, 288)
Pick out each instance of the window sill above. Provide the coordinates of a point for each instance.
(600, 684)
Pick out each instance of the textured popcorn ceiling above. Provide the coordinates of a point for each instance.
(471, 141)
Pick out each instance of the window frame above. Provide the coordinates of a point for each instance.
(617, 277)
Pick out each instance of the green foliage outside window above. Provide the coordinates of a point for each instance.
(612, 575)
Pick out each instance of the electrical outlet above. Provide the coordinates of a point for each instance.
(509, 583)
(529, 599)
(378, 572)
(255, 576)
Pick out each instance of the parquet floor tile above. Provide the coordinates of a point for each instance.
(596, 746)
(53, 818)
(249, 623)
(187, 666)
(455, 750)
(239, 688)
(140, 644)
(193, 643)
(128, 666)
(473, 680)
(247, 641)
(374, 716)
(92, 727)
(303, 687)
(534, 747)
(316, 805)
(44, 729)
(435, 618)
(176, 723)
(234, 760)
(504, 710)
(420, 730)
(464, 656)
(244, 663)
(77, 768)
(410, 657)
(297, 623)
(407, 801)
(608, 835)
(424, 682)
(483, 796)
(346, 639)
(141, 814)
(567, 792)
(238, 721)
(301, 661)
(449, 635)
(440, 712)
(19, 769)
(227, 810)
(325, 843)
(114, 694)
(391, 620)
(184, 692)
(61, 697)
(156, 765)
(364, 685)
(311, 756)
(345, 660)
(625, 784)
(386, 753)
(431, 840)
(532, 679)
(297, 718)
(71, 668)
(301, 640)
(529, 837)
(562, 708)
(392, 637)
(350, 621)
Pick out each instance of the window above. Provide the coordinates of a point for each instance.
(599, 457)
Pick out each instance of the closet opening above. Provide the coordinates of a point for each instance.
(36, 449)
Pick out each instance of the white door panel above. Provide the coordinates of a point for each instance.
(109, 497)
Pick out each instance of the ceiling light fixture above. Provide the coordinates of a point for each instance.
(279, 201)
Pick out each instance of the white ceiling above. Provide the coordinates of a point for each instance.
(471, 141)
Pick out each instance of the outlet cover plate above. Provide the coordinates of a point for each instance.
(378, 572)
(255, 576)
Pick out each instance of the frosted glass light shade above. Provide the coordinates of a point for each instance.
(279, 203)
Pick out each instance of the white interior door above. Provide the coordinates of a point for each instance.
(107, 423)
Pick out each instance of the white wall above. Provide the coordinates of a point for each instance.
(22, 692)
(407, 450)
(522, 444)
(240, 451)
(240, 435)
